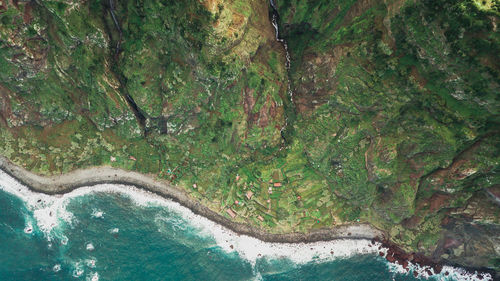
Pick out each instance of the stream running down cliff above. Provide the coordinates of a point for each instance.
(140, 116)
(274, 20)
(289, 109)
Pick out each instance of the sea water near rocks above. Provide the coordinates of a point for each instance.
(116, 232)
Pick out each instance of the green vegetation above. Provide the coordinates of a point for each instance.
(393, 120)
(397, 108)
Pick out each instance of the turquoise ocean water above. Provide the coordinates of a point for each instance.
(111, 236)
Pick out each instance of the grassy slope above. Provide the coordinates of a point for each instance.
(397, 108)
(394, 117)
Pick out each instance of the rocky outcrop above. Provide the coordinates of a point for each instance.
(387, 113)
(391, 114)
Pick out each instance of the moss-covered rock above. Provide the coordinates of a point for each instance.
(397, 105)
(388, 114)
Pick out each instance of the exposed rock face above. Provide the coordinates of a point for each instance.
(392, 119)
(139, 72)
(403, 98)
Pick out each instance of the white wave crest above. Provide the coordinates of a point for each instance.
(447, 273)
(93, 277)
(97, 213)
(114, 230)
(89, 247)
(56, 268)
(49, 211)
(90, 263)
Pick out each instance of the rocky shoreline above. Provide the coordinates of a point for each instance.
(64, 183)
(398, 256)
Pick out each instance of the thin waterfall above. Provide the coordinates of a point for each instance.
(274, 22)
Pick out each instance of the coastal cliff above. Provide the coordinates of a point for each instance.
(388, 113)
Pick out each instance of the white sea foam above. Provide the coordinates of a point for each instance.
(77, 272)
(460, 274)
(89, 247)
(247, 247)
(64, 240)
(252, 249)
(29, 228)
(114, 230)
(258, 276)
(90, 263)
(50, 211)
(97, 213)
(56, 268)
(93, 277)
(447, 273)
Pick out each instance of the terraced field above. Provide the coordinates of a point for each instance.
(388, 114)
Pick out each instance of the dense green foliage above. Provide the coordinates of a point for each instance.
(393, 117)
(404, 98)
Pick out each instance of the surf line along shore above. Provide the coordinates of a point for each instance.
(60, 184)
(65, 183)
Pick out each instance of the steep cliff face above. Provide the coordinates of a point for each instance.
(86, 82)
(392, 118)
(398, 108)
